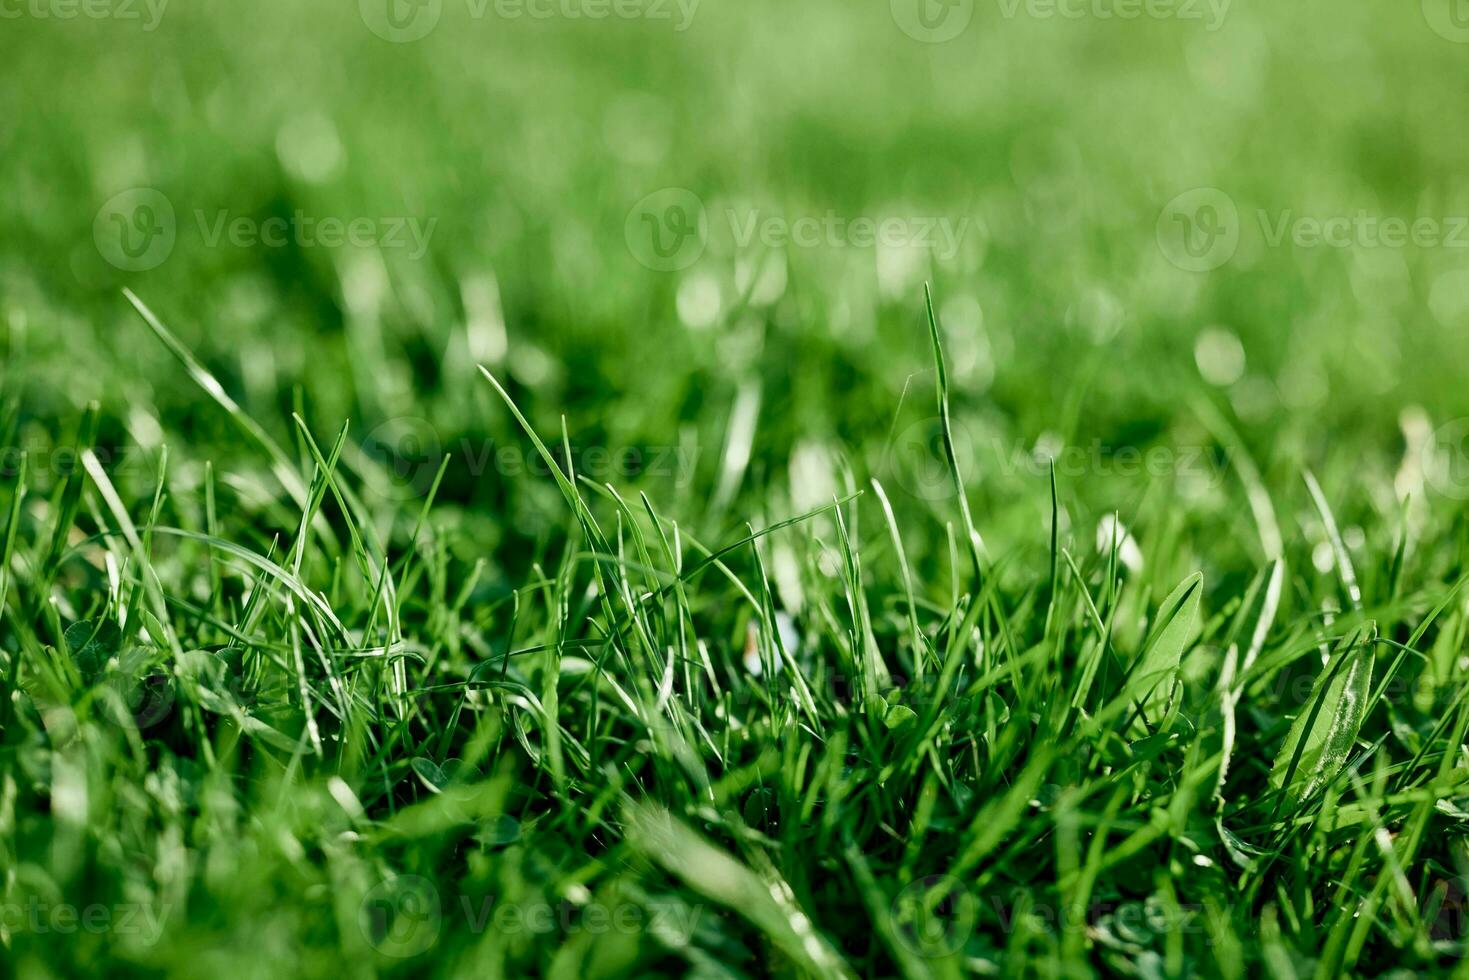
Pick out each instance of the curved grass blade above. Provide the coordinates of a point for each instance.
(975, 545)
(1338, 547)
(1231, 678)
(280, 462)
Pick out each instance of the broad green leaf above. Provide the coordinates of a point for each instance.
(899, 715)
(428, 772)
(1321, 737)
(497, 831)
(1172, 632)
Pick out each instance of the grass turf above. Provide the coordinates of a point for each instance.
(324, 750)
(524, 601)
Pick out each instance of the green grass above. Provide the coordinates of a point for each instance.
(322, 749)
(535, 598)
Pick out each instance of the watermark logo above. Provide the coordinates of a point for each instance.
(934, 916)
(408, 454)
(302, 230)
(141, 922)
(932, 21)
(404, 21)
(1210, 12)
(404, 917)
(1198, 230)
(680, 13)
(400, 21)
(919, 462)
(941, 235)
(408, 451)
(401, 917)
(140, 702)
(136, 229)
(1205, 464)
(667, 230)
(1363, 230)
(1445, 459)
(148, 12)
(1449, 19)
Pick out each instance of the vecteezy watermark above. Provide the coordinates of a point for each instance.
(932, 21)
(1363, 229)
(148, 13)
(1199, 229)
(137, 700)
(307, 231)
(403, 21)
(63, 461)
(404, 916)
(406, 452)
(39, 917)
(918, 460)
(669, 229)
(1096, 458)
(1291, 690)
(934, 917)
(137, 229)
(1445, 459)
(936, 21)
(1449, 19)
(831, 230)
(409, 452)
(1210, 12)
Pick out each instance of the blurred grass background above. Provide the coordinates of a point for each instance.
(521, 144)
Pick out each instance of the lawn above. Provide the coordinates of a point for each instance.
(686, 487)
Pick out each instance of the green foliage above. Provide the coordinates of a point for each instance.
(524, 596)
